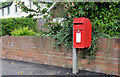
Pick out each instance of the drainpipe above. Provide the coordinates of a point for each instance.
(30, 7)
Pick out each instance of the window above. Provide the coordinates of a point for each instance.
(8, 10)
(16, 8)
(2, 12)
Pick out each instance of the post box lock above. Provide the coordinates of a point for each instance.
(82, 30)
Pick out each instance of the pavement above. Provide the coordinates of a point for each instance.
(12, 67)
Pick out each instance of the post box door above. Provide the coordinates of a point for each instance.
(78, 35)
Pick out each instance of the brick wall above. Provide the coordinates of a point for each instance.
(39, 50)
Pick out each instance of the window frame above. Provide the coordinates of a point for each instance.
(2, 11)
(16, 9)
(8, 10)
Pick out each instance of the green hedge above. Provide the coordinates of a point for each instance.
(9, 24)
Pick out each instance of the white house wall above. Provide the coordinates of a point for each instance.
(19, 12)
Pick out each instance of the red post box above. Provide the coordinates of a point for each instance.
(82, 30)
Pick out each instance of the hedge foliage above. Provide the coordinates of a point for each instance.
(9, 24)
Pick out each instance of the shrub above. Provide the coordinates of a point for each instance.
(10, 24)
(104, 17)
(105, 21)
(23, 32)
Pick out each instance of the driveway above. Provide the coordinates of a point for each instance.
(11, 67)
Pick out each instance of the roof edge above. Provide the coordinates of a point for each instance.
(6, 5)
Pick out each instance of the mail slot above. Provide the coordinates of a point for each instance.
(82, 32)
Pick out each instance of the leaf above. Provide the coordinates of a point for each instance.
(12, 63)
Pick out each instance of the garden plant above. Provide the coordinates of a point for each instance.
(104, 16)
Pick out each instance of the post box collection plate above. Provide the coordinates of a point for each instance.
(78, 37)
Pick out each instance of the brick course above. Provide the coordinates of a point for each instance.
(39, 50)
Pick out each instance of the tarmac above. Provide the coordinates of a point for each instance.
(12, 67)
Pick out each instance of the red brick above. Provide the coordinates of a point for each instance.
(33, 51)
(118, 41)
(68, 59)
(117, 45)
(105, 43)
(119, 65)
(112, 56)
(79, 60)
(113, 40)
(56, 54)
(112, 60)
(58, 58)
(100, 63)
(21, 53)
(84, 61)
(64, 55)
(113, 52)
(60, 65)
(3, 52)
(71, 63)
(112, 64)
(38, 58)
(112, 69)
(100, 54)
(55, 64)
(30, 54)
(100, 59)
(101, 51)
(88, 65)
(119, 74)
